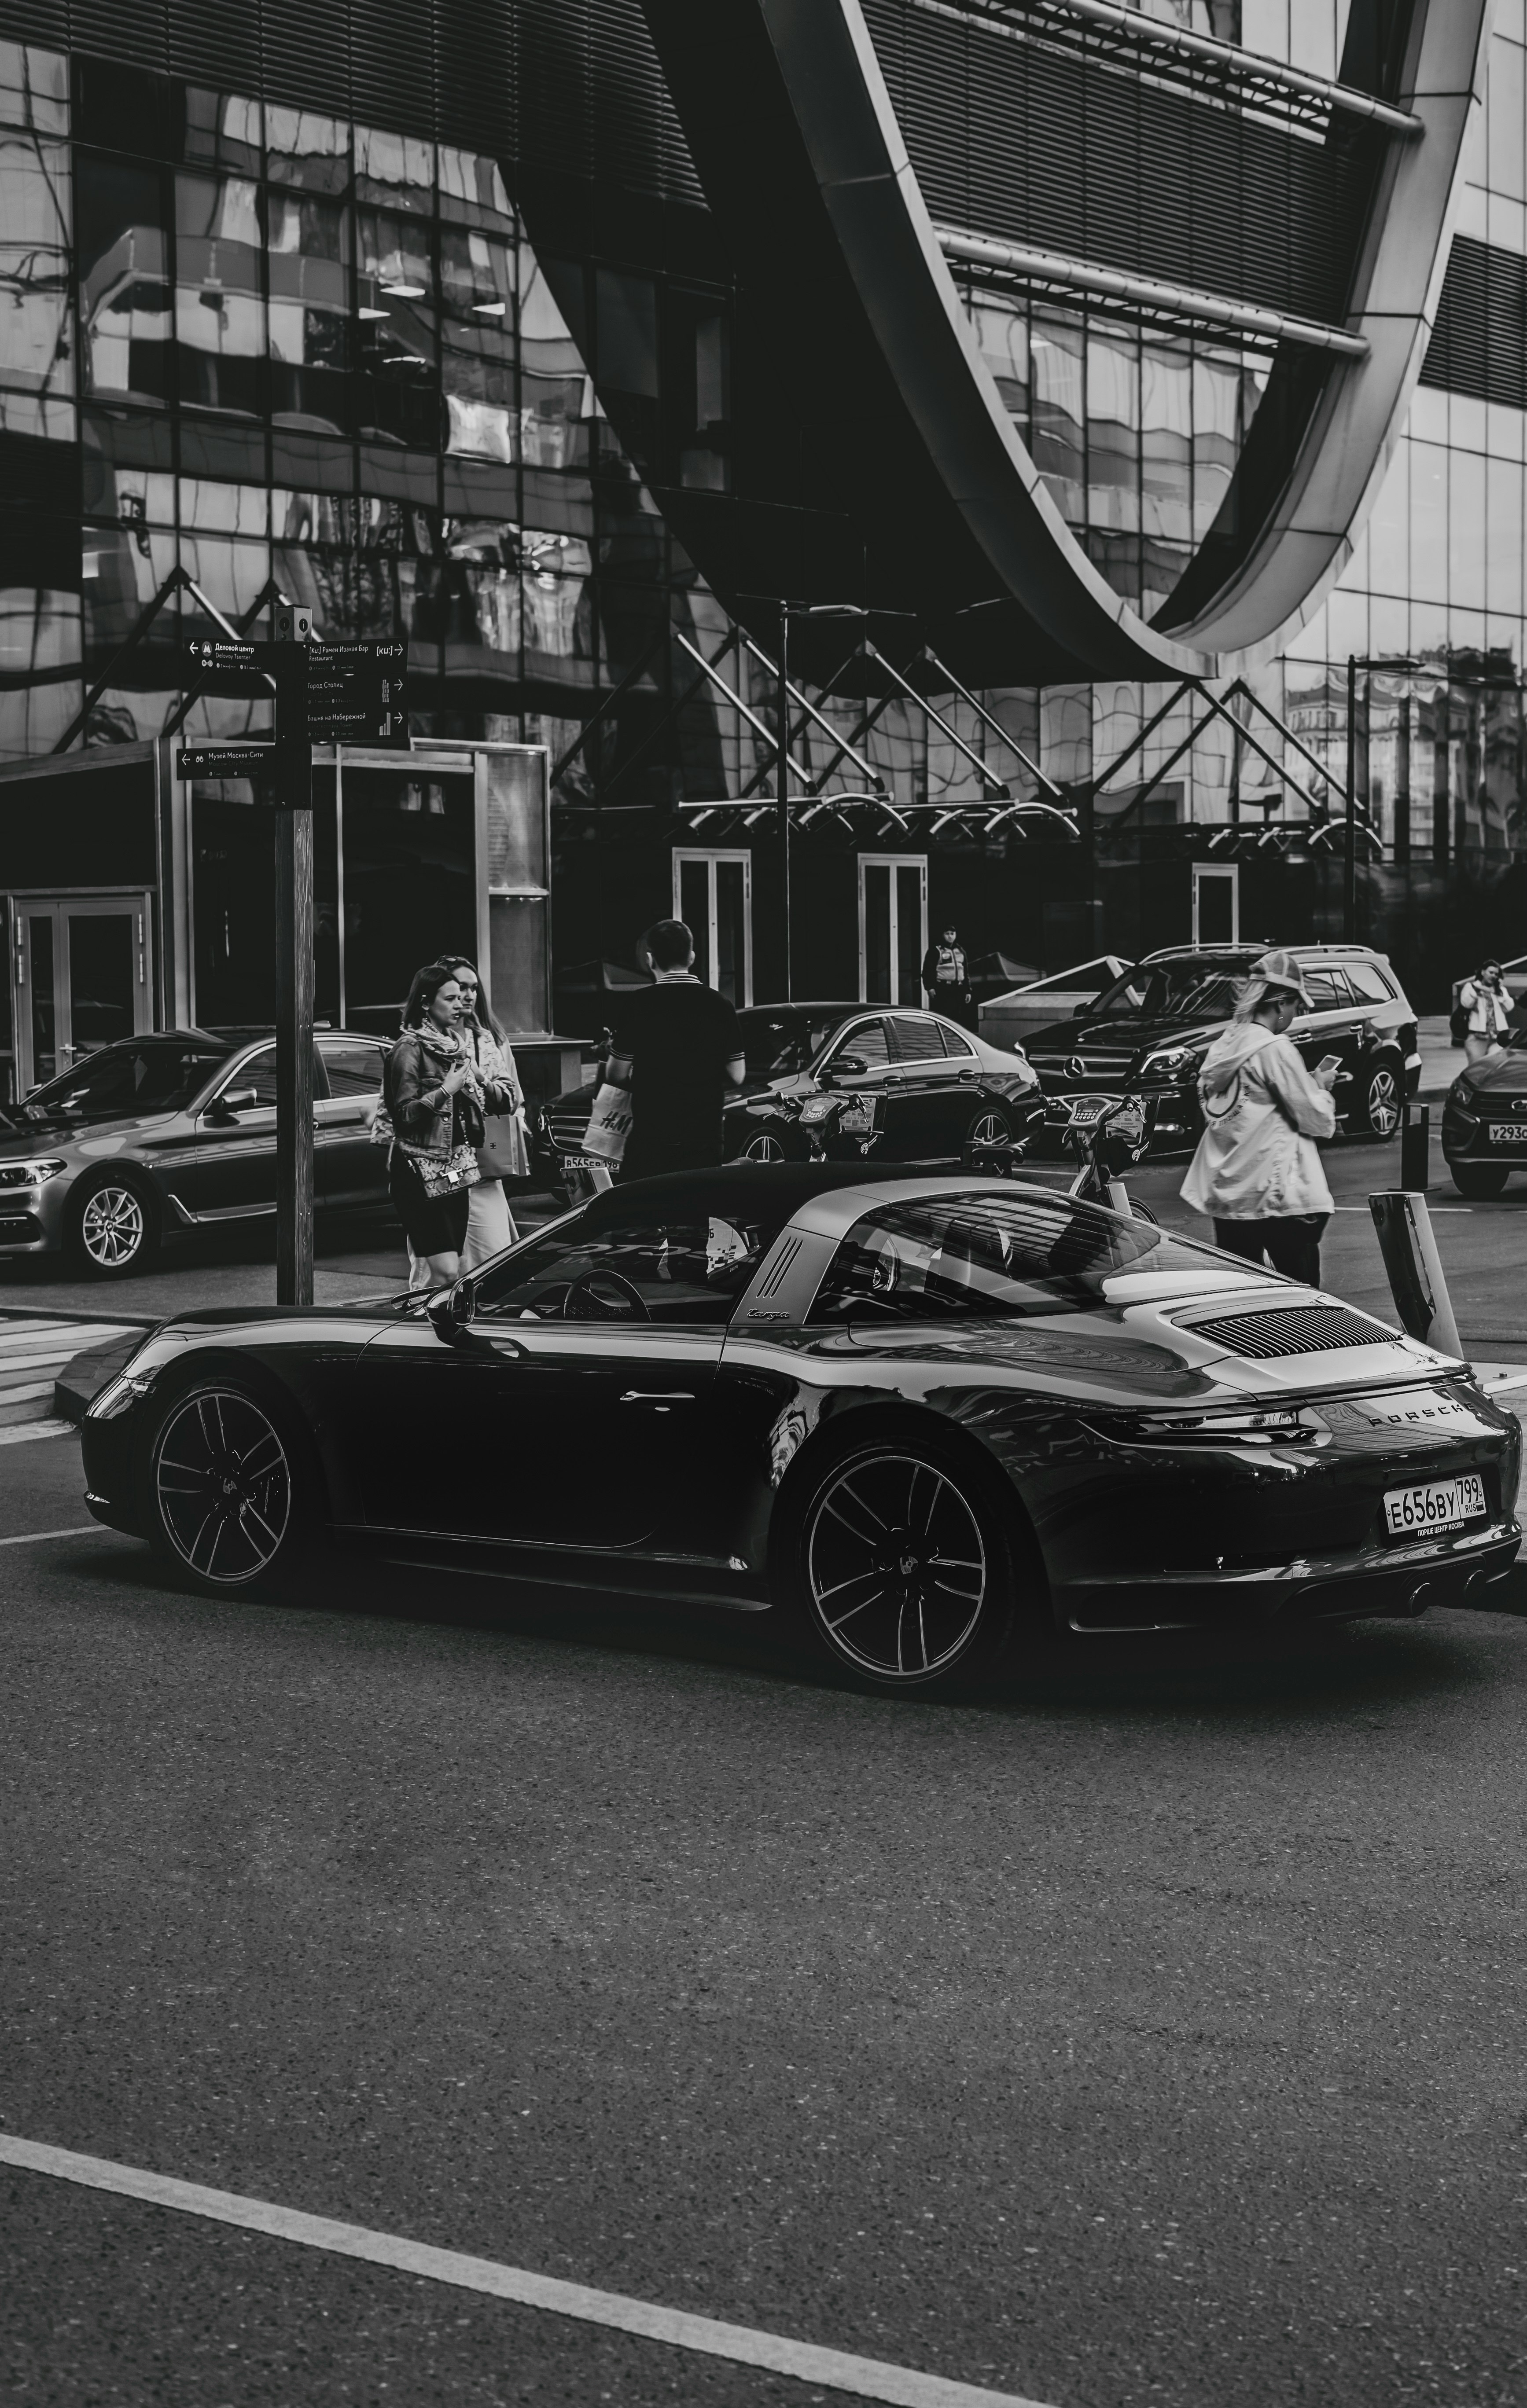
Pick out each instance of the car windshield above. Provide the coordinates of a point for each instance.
(987, 1257)
(157, 1075)
(777, 1041)
(1186, 989)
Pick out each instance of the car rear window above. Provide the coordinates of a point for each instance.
(1368, 983)
(987, 1257)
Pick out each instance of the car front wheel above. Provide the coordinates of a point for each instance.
(896, 1565)
(113, 1226)
(1380, 1099)
(224, 1489)
(1479, 1180)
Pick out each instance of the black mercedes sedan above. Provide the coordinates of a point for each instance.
(925, 1422)
(1484, 1121)
(843, 1082)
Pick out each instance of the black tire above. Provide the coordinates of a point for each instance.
(881, 1514)
(1381, 1099)
(1479, 1180)
(226, 1498)
(113, 1226)
(991, 1126)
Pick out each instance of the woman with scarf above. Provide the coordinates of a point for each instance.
(490, 1224)
(435, 1100)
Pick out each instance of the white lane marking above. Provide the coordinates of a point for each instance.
(34, 1538)
(867, 2378)
(50, 1428)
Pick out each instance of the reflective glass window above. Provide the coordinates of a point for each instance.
(479, 343)
(1059, 410)
(308, 149)
(33, 88)
(34, 345)
(219, 323)
(309, 261)
(123, 269)
(1113, 429)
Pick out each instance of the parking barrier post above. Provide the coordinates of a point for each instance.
(1416, 1150)
(1410, 1249)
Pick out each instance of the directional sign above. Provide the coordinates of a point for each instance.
(225, 760)
(355, 693)
(215, 652)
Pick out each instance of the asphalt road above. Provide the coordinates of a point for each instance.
(1146, 2033)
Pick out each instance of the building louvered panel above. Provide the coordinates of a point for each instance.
(1031, 145)
(131, 30)
(43, 21)
(477, 76)
(305, 50)
(392, 64)
(1479, 342)
(218, 48)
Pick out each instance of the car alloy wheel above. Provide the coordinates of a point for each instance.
(765, 1147)
(113, 1228)
(1381, 1102)
(899, 1575)
(222, 1488)
(988, 1128)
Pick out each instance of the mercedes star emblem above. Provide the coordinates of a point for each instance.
(1077, 1068)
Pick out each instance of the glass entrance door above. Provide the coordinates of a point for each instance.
(713, 895)
(893, 926)
(82, 977)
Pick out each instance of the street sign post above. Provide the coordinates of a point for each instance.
(338, 693)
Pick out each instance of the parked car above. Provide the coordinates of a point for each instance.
(1484, 1122)
(924, 1421)
(178, 1132)
(1147, 1035)
(1010, 1018)
(840, 1081)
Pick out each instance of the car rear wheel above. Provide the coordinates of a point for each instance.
(1479, 1180)
(766, 1147)
(991, 1126)
(1380, 1099)
(895, 1565)
(224, 1489)
(113, 1226)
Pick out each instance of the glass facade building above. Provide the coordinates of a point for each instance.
(516, 334)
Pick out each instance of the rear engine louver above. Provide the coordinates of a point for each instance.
(1292, 1329)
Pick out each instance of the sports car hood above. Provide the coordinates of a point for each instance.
(1142, 1036)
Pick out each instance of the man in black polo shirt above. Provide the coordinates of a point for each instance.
(678, 1047)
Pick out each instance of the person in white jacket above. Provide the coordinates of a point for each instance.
(1256, 1173)
(1487, 1000)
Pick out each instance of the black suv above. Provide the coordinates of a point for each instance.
(1484, 1121)
(1147, 1034)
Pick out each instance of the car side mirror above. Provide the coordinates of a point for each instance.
(456, 1309)
(848, 1066)
(228, 1106)
(1080, 1010)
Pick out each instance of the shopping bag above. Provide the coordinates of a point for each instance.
(608, 1124)
(503, 1153)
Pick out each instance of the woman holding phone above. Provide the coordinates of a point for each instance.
(1257, 1172)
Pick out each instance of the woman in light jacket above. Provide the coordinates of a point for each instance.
(1488, 1002)
(490, 1224)
(1256, 1173)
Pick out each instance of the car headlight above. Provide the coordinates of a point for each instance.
(1462, 1093)
(30, 1174)
(119, 1396)
(1169, 1064)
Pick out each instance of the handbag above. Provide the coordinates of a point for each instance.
(608, 1124)
(503, 1153)
(446, 1174)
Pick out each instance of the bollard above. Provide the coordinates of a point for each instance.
(1416, 1150)
(1409, 1250)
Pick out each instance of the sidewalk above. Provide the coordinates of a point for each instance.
(1441, 1059)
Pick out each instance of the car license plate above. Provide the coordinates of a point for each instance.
(1435, 1506)
(1508, 1132)
(584, 1162)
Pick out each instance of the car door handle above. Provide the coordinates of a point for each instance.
(657, 1397)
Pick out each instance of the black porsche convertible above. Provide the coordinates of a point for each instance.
(924, 1420)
